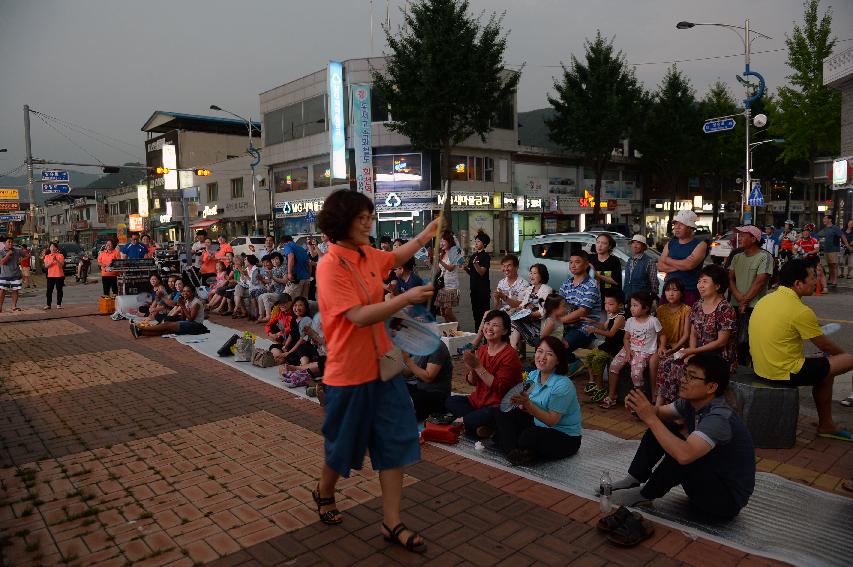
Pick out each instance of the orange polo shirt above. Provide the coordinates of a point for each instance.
(208, 263)
(56, 270)
(106, 258)
(352, 352)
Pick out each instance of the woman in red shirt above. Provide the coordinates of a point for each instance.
(54, 263)
(109, 280)
(492, 371)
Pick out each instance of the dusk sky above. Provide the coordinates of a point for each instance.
(106, 65)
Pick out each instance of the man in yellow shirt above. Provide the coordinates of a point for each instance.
(779, 324)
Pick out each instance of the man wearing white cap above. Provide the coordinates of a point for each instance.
(749, 274)
(683, 255)
(641, 273)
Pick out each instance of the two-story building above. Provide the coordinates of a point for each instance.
(298, 157)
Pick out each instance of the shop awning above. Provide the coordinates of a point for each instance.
(107, 231)
(167, 226)
(204, 223)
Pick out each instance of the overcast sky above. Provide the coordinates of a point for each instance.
(107, 65)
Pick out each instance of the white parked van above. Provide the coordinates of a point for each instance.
(554, 250)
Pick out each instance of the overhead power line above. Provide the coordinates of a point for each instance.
(58, 131)
(92, 134)
(708, 58)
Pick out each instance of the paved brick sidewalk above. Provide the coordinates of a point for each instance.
(119, 452)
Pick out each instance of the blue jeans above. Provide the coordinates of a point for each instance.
(575, 338)
(473, 418)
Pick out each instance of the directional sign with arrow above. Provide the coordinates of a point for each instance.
(62, 188)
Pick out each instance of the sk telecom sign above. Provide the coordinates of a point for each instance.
(362, 138)
(337, 141)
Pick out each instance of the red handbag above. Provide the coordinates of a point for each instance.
(441, 433)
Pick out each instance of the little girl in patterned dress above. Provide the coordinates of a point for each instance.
(643, 333)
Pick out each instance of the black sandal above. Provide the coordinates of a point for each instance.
(330, 518)
(632, 531)
(394, 537)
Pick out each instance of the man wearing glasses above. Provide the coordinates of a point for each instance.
(714, 464)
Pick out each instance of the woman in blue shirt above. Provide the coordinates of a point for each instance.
(546, 422)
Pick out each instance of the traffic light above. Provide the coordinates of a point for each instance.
(161, 170)
(202, 172)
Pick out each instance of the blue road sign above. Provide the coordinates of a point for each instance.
(310, 216)
(718, 125)
(756, 199)
(11, 218)
(62, 188)
(54, 175)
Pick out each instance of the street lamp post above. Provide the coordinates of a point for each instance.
(255, 153)
(746, 39)
(751, 147)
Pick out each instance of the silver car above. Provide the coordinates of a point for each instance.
(554, 250)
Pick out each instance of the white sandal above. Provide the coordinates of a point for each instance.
(847, 402)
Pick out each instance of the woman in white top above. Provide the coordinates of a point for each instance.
(448, 296)
(533, 298)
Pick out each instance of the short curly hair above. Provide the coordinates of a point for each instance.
(339, 211)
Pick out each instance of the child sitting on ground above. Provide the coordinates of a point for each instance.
(278, 327)
(614, 337)
(674, 317)
(643, 333)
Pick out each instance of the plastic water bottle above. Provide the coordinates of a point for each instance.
(605, 491)
(830, 328)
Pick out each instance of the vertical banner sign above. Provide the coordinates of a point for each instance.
(142, 198)
(170, 160)
(337, 139)
(362, 138)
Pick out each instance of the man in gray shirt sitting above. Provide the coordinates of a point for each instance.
(715, 464)
(429, 382)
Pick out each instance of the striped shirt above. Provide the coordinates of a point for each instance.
(584, 294)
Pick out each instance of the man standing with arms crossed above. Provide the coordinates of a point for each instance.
(749, 274)
(832, 237)
(683, 255)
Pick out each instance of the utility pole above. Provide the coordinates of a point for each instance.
(29, 147)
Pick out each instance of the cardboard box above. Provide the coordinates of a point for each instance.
(445, 328)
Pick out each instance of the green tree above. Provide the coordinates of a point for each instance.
(670, 138)
(809, 117)
(723, 152)
(445, 79)
(595, 107)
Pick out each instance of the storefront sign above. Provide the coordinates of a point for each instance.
(170, 160)
(165, 218)
(337, 141)
(209, 211)
(135, 223)
(81, 202)
(9, 205)
(841, 169)
(8, 194)
(80, 225)
(469, 200)
(664, 204)
(405, 201)
(588, 202)
(510, 202)
(533, 203)
(362, 138)
(238, 206)
(297, 208)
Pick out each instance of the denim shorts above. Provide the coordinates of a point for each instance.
(377, 416)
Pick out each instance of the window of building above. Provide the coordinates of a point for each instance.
(133, 206)
(505, 116)
(314, 115)
(212, 192)
(122, 207)
(291, 179)
(292, 120)
(488, 169)
(378, 108)
(398, 171)
(114, 209)
(475, 168)
(459, 168)
(237, 188)
(273, 129)
(322, 174)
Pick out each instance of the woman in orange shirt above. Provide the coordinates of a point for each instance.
(363, 412)
(109, 280)
(208, 262)
(54, 262)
